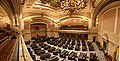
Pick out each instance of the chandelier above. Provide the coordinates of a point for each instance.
(73, 5)
(68, 5)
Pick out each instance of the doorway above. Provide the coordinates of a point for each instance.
(94, 38)
(104, 45)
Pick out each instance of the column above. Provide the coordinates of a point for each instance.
(118, 54)
(11, 24)
(107, 46)
(116, 19)
(115, 53)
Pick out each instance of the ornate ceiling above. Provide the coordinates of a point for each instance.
(28, 8)
(3, 16)
(32, 7)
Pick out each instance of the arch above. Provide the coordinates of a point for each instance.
(100, 9)
(4, 16)
(74, 16)
(111, 6)
(46, 17)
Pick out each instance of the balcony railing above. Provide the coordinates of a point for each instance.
(23, 52)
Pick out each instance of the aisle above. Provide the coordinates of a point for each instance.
(99, 53)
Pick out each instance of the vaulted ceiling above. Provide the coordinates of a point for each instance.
(27, 8)
(33, 7)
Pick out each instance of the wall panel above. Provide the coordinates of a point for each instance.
(109, 20)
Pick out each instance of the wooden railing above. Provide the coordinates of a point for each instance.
(3, 37)
(24, 54)
(6, 49)
(23, 50)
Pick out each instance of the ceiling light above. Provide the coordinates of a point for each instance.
(97, 19)
(96, 23)
(68, 5)
(73, 5)
(86, 20)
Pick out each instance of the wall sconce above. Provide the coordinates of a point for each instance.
(86, 20)
(97, 23)
(96, 19)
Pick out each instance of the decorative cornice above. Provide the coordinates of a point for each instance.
(109, 7)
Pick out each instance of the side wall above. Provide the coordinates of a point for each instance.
(109, 29)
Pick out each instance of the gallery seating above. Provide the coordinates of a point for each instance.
(34, 46)
(38, 48)
(27, 42)
(70, 47)
(53, 58)
(91, 48)
(64, 54)
(4, 36)
(6, 48)
(45, 55)
(93, 57)
(38, 52)
(82, 57)
(56, 51)
(72, 56)
(77, 48)
(33, 57)
(52, 49)
(84, 47)
(46, 47)
(65, 46)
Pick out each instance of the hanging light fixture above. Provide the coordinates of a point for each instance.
(68, 5)
(73, 5)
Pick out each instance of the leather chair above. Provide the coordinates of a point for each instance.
(54, 58)
(56, 51)
(72, 56)
(64, 54)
